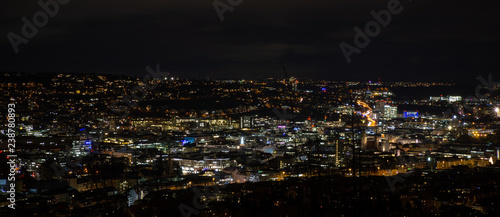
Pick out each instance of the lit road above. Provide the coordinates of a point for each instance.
(367, 114)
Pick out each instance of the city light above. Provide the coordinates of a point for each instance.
(255, 116)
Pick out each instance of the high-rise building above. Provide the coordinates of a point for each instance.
(247, 122)
(390, 112)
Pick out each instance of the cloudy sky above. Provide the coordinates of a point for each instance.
(429, 40)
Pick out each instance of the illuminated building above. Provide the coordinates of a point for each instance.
(294, 82)
(410, 114)
(81, 148)
(390, 112)
(247, 122)
(454, 98)
(194, 166)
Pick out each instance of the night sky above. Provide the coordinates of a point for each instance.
(440, 40)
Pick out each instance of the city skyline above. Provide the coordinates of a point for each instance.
(112, 145)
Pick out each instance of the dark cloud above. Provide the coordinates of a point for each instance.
(452, 40)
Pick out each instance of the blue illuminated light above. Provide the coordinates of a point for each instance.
(410, 114)
(187, 140)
